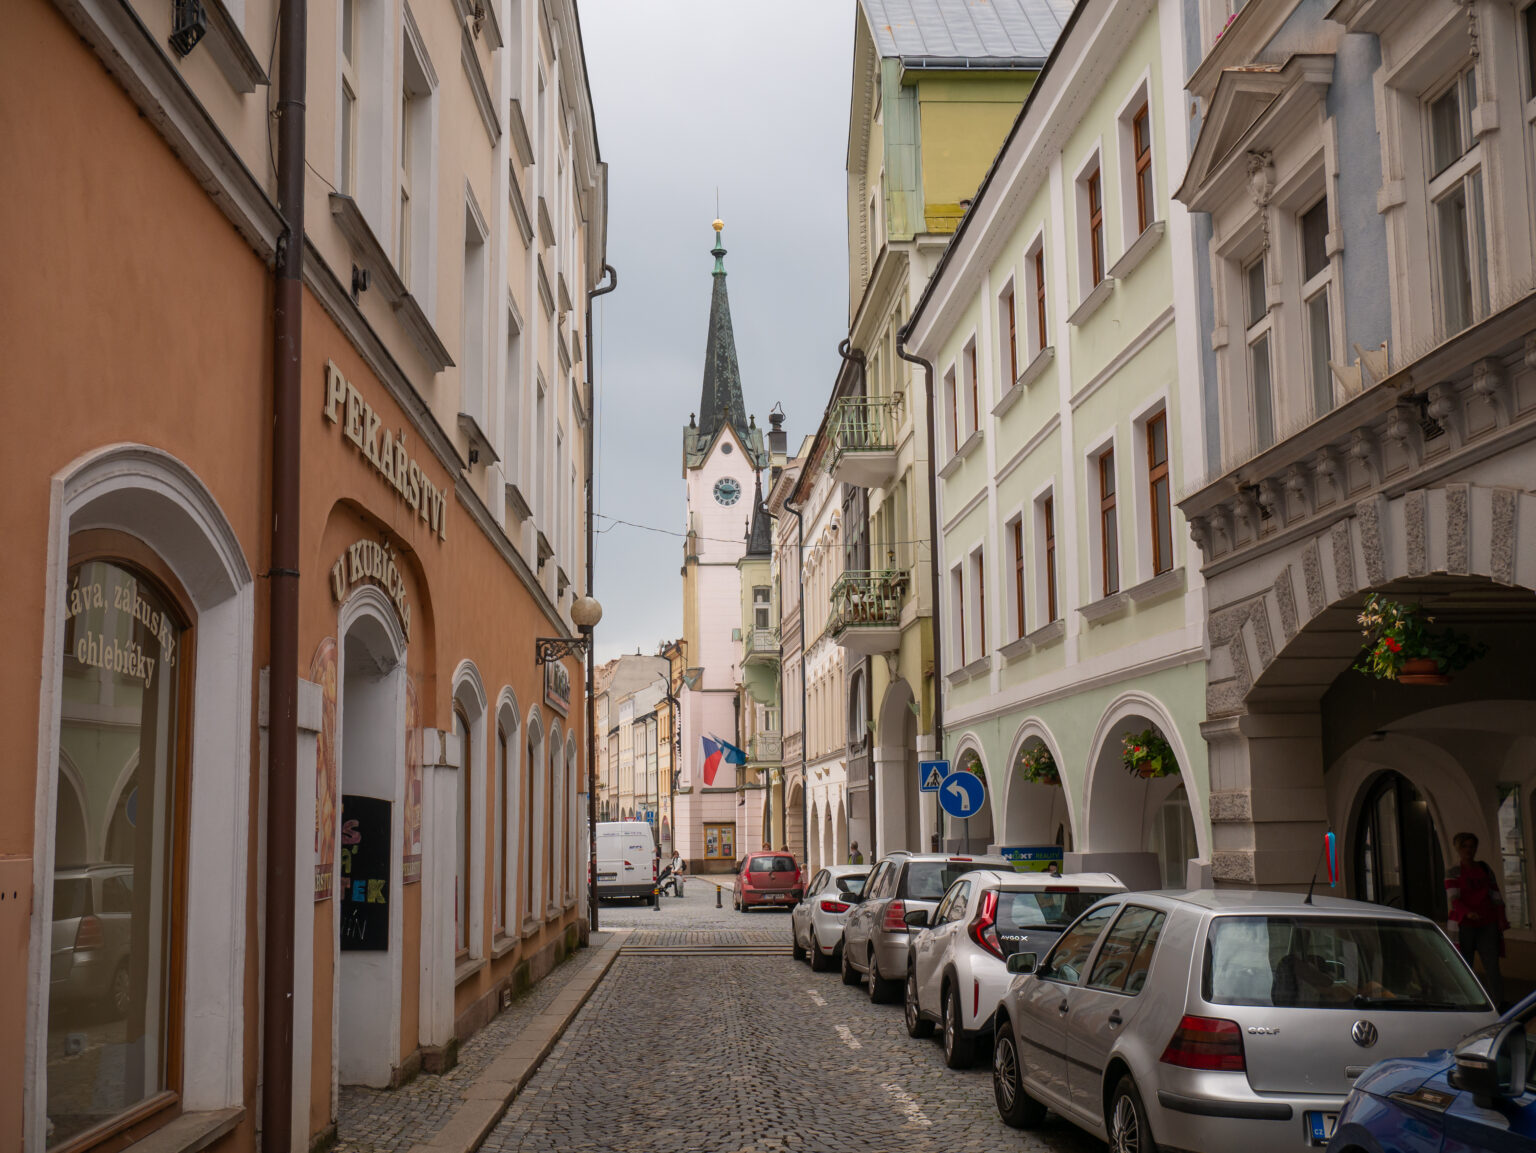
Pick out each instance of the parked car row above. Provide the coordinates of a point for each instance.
(1202, 1020)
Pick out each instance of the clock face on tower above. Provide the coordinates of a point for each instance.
(727, 490)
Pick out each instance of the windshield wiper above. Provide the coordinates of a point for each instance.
(1361, 1001)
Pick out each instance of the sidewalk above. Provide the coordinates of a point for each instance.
(452, 1113)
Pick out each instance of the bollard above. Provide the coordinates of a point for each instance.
(656, 899)
(718, 905)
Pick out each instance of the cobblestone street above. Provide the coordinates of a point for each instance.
(746, 1054)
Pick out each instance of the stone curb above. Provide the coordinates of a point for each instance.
(488, 1096)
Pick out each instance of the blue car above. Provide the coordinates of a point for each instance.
(1479, 1096)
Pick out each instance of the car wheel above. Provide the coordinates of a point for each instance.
(917, 1024)
(958, 1048)
(795, 947)
(820, 962)
(850, 974)
(882, 990)
(1128, 1128)
(120, 992)
(1016, 1107)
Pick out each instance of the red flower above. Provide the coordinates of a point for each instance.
(1392, 644)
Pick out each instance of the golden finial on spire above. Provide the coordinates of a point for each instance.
(719, 224)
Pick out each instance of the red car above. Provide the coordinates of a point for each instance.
(767, 880)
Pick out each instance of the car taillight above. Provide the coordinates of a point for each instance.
(984, 926)
(830, 906)
(655, 868)
(895, 917)
(88, 934)
(1206, 1043)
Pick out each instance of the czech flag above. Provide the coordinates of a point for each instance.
(715, 751)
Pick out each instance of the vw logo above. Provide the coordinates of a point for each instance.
(1363, 1033)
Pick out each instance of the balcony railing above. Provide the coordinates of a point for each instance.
(863, 430)
(866, 609)
(766, 747)
(760, 645)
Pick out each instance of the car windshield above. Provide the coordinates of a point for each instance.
(773, 865)
(929, 880)
(1335, 963)
(854, 884)
(1037, 910)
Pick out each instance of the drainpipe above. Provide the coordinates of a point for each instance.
(933, 563)
(283, 591)
(600, 290)
(805, 784)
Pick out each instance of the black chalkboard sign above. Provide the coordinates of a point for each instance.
(365, 858)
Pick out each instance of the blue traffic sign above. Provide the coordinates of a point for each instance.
(962, 795)
(932, 774)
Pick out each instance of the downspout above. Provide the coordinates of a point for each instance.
(805, 784)
(855, 357)
(283, 590)
(933, 563)
(600, 290)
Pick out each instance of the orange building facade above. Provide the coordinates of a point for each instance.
(442, 771)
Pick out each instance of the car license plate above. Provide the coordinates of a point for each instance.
(1320, 1126)
(607, 876)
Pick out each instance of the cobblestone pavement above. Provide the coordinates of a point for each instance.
(746, 1054)
(392, 1121)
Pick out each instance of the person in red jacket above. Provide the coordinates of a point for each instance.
(1477, 917)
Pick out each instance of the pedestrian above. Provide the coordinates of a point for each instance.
(1054, 869)
(1477, 915)
(854, 856)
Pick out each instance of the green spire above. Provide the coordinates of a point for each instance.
(718, 251)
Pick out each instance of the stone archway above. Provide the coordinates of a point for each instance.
(974, 835)
(1032, 814)
(898, 815)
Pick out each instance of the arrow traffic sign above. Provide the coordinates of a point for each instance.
(932, 774)
(963, 795)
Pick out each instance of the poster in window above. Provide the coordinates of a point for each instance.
(410, 871)
(322, 671)
(365, 858)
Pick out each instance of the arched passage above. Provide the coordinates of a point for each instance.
(898, 816)
(1034, 812)
(975, 834)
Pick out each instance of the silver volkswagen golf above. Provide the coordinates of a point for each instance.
(1214, 1021)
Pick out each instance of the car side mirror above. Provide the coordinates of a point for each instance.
(1491, 1063)
(917, 918)
(1021, 963)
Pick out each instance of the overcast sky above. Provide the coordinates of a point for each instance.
(750, 96)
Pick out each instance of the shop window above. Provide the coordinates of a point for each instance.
(119, 852)
(1398, 861)
(720, 842)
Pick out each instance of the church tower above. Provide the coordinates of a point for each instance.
(723, 452)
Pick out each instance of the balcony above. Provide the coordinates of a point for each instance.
(864, 440)
(765, 748)
(760, 647)
(866, 610)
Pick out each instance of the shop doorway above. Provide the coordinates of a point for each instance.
(1398, 860)
(371, 735)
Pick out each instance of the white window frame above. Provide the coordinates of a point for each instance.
(1085, 279)
(1261, 330)
(1047, 560)
(1008, 336)
(952, 408)
(1038, 338)
(1015, 582)
(971, 402)
(977, 562)
(1130, 226)
(957, 615)
(474, 304)
(1108, 443)
(1142, 503)
(416, 165)
(1319, 286)
(1464, 175)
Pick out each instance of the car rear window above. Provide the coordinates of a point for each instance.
(1335, 963)
(1036, 910)
(71, 898)
(773, 865)
(929, 880)
(854, 884)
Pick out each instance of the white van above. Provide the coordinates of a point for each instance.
(626, 859)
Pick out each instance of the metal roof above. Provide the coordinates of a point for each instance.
(956, 30)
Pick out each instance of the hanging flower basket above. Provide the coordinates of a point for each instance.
(1038, 767)
(1148, 754)
(1399, 646)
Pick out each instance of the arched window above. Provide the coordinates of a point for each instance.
(1398, 861)
(500, 834)
(530, 849)
(463, 837)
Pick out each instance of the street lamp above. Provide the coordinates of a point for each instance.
(585, 613)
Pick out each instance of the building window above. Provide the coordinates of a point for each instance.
(415, 169)
(952, 402)
(720, 842)
(463, 835)
(531, 768)
(1316, 273)
(1008, 314)
(972, 390)
(957, 612)
(346, 172)
(762, 609)
(1528, 20)
(472, 378)
(1038, 261)
(503, 799)
(119, 847)
(1016, 540)
(1048, 554)
(1093, 191)
(1109, 525)
(1258, 335)
(1159, 496)
(1141, 153)
(1456, 198)
(979, 591)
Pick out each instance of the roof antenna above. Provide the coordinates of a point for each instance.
(1330, 854)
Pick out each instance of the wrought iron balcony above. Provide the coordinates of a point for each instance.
(866, 609)
(863, 434)
(760, 646)
(766, 748)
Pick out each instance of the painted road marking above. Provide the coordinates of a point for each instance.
(817, 999)
(847, 1035)
(908, 1105)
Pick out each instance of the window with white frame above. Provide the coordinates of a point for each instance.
(1090, 211)
(346, 171)
(957, 614)
(979, 601)
(1008, 330)
(762, 608)
(1047, 603)
(1528, 31)
(472, 381)
(511, 450)
(1015, 534)
(1105, 487)
(1316, 295)
(1460, 250)
(1037, 330)
(1259, 332)
(952, 405)
(463, 834)
(1138, 205)
(972, 388)
(1159, 491)
(413, 216)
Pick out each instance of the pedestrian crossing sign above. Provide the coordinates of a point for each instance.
(933, 774)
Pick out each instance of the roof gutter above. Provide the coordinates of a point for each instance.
(972, 63)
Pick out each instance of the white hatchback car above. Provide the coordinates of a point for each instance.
(816, 923)
(957, 962)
